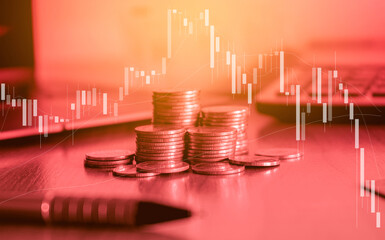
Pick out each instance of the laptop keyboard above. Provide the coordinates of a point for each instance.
(369, 82)
(365, 88)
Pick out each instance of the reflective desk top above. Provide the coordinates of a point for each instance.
(312, 198)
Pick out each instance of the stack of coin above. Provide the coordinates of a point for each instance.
(229, 116)
(179, 108)
(159, 143)
(109, 159)
(210, 144)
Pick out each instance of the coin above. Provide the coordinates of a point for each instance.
(209, 147)
(211, 131)
(201, 160)
(175, 120)
(225, 110)
(130, 171)
(158, 159)
(210, 151)
(170, 148)
(218, 168)
(160, 141)
(189, 101)
(158, 130)
(167, 92)
(149, 137)
(102, 164)
(211, 139)
(255, 161)
(109, 155)
(179, 104)
(160, 154)
(163, 168)
(280, 153)
(172, 113)
(160, 146)
(169, 107)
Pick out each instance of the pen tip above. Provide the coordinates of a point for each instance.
(150, 212)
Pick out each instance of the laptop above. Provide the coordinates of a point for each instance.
(340, 86)
(40, 96)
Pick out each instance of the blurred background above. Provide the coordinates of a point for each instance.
(89, 42)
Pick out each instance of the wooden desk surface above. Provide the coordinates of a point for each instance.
(313, 198)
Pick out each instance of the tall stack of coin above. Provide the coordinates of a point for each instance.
(159, 143)
(210, 144)
(229, 116)
(179, 108)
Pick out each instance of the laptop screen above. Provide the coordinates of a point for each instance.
(16, 44)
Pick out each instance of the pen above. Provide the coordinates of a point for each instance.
(73, 210)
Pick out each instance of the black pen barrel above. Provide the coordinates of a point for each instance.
(72, 210)
(21, 209)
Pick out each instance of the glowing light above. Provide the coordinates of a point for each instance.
(281, 71)
(24, 112)
(35, 107)
(126, 85)
(255, 75)
(207, 22)
(314, 83)
(217, 44)
(169, 33)
(233, 73)
(212, 46)
(362, 172)
(297, 111)
(319, 85)
(228, 58)
(104, 103)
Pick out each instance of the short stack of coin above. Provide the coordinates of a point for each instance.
(229, 116)
(210, 144)
(108, 159)
(179, 108)
(159, 143)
